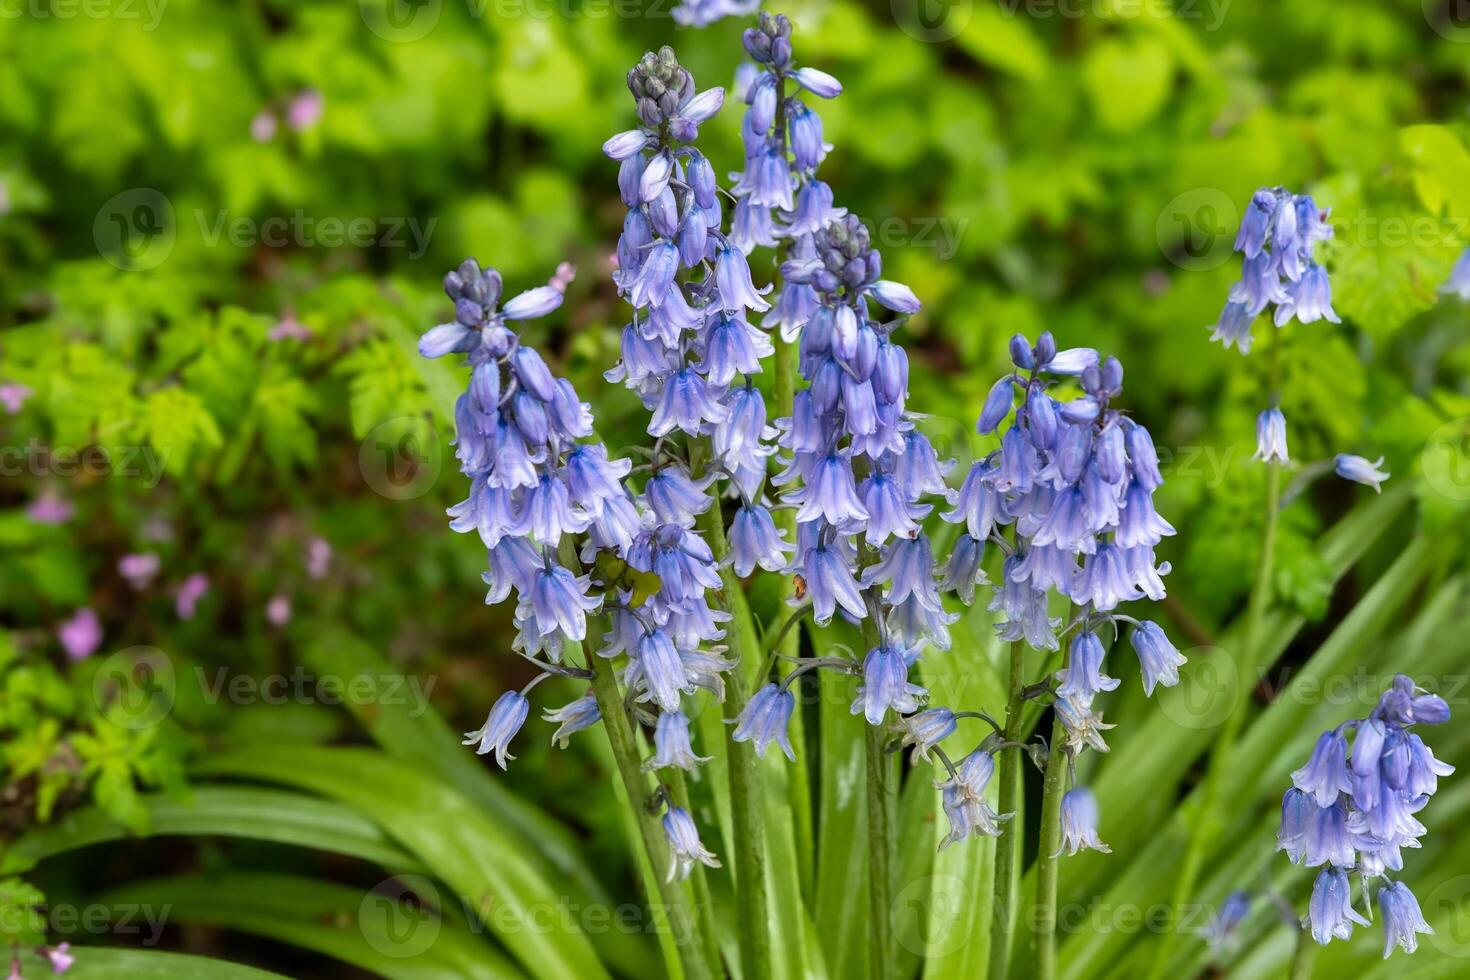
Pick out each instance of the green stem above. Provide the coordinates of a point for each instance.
(1047, 866)
(1305, 957)
(625, 751)
(881, 841)
(749, 858)
(1206, 818)
(1008, 847)
(790, 646)
(703, 907)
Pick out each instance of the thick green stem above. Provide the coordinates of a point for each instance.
(800, 786)
(1008, 847)
(1044, 920)
(1305, 957)
(704, 909)
(1206, 817)
(881, 839)
(749, 858)
(625, 751)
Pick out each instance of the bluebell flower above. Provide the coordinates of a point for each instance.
(674, 497)
(1082, 678)
(1159, 658)
(1355, 810)
(1402, 920)
(1271, 437)
(1331, 913)
(1227, 919)
(659, 673)
(906, 567)
(767, 719)
(671, 743)
(886, 685)
(685, 847)
(1277, 238)
(501, 725)
(926, 729)
(1326, 774)
(575, 716)
(963, 799)
(963, 571)
(1359, 470)
(1079, 823)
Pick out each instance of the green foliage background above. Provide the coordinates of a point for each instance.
(1077, 167)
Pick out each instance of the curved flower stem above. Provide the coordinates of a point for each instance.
(1008, 847)
(704, 910)
(635, 782)
(1045, 919)
(1305, 957)
(749, 859)
(1205, 818)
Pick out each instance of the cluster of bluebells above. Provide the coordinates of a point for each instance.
(1076, 481)
(702, 13)
(689, 351)
(1351, 808)
(1277, 237)
(536, 486)
(778, 196)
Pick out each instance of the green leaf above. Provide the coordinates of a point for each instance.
(466, 849)
(377, 930)
(178, 426)
(135, 964)
(222, 811)
(997, 40)
(1128, 81)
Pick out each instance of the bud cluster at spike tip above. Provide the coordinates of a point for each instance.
(1352, 808)
(1277, 238)
(778, 198)
(689, 350)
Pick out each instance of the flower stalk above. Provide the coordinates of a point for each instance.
(1008, 846)
(1048, 851)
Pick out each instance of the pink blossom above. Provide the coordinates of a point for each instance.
(305, 110)
(13, 395)
(50, 509)
(278, 610)
(289, 328)
(81, 635)
(139, 569)
(61, 960)
(193, 589)
(263, 126)
(318, 558)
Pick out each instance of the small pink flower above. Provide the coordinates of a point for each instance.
(139, 569)
(263, 126)
(81, 635)
(61, 960)
(13, 395)
(278, 610)
(50, 509)
(193, 589)
(15, 973)
(563, 277)
(289, 328)
(318, 558)
(305, 109)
